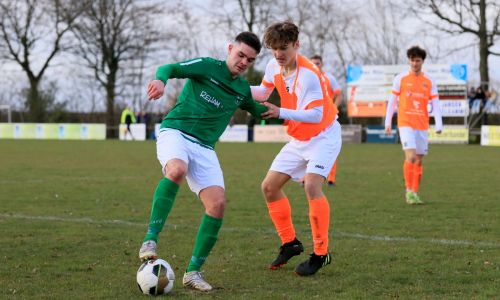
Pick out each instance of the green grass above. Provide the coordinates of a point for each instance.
(59, 240)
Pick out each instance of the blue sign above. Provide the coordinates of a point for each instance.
(376, 134)
(459, 71)
(353, 73)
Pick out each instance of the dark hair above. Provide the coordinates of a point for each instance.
(250, 39)
(416, 51)
(317, 56)
(280, 34)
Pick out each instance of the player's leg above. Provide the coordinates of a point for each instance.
(422, 143)
(174, 166)
(408, 142)
(332, 175)
(214, 201)
(319, 218)
(206, 180)
(280, 213)
(322, 154)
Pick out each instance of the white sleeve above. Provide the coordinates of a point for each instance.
(391, 106)
(311, 89)
(437, 114)
(261, 92)
(313, 115)
(333, 82)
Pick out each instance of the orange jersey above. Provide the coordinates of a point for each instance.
(414, 93)
(333, 85)
(309, 89)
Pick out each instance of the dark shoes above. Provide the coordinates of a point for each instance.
(287, 251)
(313, 264)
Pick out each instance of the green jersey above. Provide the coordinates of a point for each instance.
(208, 100)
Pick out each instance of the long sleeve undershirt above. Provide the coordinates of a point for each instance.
(313, 115)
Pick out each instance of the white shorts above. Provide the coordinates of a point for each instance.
(316, 156)
(203, 165)
(414, 139)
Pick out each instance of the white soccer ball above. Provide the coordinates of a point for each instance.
(155, 277)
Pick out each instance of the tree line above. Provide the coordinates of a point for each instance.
(113, 46)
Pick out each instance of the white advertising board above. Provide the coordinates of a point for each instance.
(138, 132)
(235, 133)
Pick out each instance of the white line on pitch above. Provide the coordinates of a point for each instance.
(233, 229)
(66, 178)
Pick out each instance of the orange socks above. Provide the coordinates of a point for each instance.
(281, 215)
(319, 216)
(331, 176)
(417, 175)
(413, 174)
(408, 174)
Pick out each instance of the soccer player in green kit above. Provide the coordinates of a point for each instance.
(185, 144)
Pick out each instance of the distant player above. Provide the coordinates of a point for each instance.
(185, 145)
(316, 141)
(414, 90)
(335, 91)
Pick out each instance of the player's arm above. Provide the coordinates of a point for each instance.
(337, 90)
(313, 99)
(312, 115)
(436, 108)
(391, 107)
(262, 92)
(253, 107)
(187, 69)
(391, 104)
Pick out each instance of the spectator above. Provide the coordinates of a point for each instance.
(127, 118)
(471, 95)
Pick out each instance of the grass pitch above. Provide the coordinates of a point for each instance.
(73, 215)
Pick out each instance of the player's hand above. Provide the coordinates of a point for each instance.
(388, 130)
(272, 111)
(156, 88)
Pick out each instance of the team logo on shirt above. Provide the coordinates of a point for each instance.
(210, 99)
(239, 99)
(319, 167)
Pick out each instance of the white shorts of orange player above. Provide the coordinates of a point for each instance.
(414, 139)
(203, 165)
(316, 155)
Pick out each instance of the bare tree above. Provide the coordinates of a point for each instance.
(113, 35)
(480, 18)
(32, 34)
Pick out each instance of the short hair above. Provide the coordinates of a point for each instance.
(250, 39)
(280, 34)
(317, 56)
(416, 51)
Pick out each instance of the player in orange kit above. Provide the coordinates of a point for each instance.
(335, 91)
(316, 141)
(414, 90)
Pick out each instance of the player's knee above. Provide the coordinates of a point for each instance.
(176, 173)
(411, 159)
(267, 188)
(312, 190)
(216, 207)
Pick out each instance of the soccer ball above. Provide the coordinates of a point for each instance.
(155, 277)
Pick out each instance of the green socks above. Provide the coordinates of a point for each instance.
(163, 200)
(205, 241)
